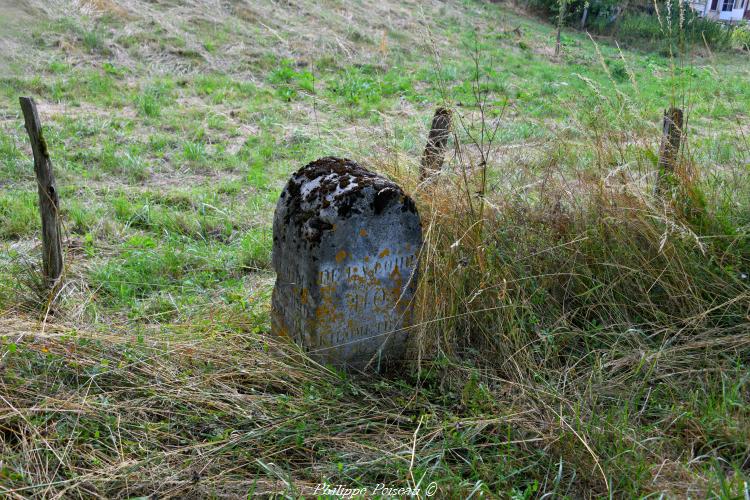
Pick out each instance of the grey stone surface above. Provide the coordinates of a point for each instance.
(345, 250)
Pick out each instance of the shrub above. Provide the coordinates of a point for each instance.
(654, 30)
(716, 34)
(741, 37)
(618, 70)
(641, 24)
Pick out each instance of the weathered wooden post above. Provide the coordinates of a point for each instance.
(345, 250)
(437, 141)
(670, 145)
(52, 256)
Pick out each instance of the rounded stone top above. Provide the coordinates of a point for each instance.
(330, 190)
(346, 245)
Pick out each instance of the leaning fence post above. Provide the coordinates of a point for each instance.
(437, 141)
(52, 257)
(670, 145)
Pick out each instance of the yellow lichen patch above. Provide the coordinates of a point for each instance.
(362, 232)
(341, 256)
(278, 326)
(384, 253)
(303, 296)
(327, 313)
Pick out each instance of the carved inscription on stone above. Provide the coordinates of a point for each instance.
(345, 250)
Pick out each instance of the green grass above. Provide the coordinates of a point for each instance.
(19, 215)
(581, 339)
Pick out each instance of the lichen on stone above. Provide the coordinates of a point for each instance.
(327, 190)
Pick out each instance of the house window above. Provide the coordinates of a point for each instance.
(728, 5)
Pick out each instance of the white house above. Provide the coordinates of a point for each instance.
(723, 10)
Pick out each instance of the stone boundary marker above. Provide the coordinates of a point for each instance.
(345, 250)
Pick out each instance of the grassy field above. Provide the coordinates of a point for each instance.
(579, 336)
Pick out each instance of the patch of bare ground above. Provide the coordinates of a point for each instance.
(102, 7)
(51, 110)
(176, 177)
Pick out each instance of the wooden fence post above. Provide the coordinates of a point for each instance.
(670, 144)
(52, 257)
(437, 141)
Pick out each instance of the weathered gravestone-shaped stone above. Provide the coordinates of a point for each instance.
(345, 250)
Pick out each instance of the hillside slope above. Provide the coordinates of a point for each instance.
(579, 336)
